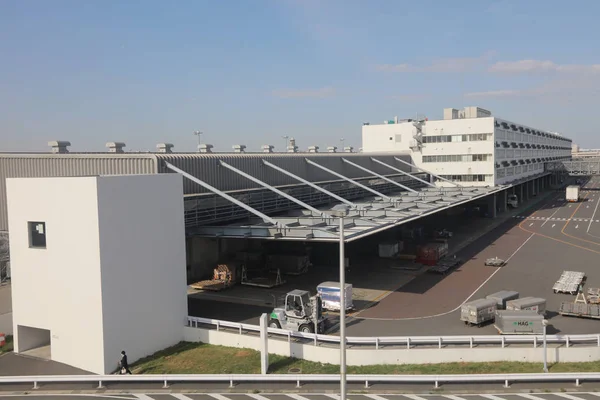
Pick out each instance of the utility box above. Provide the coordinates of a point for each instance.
(536, 304)
(510, 322)
(502, 297)
(478, 311)
(390, 249)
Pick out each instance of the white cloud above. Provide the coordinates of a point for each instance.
(523, 66)
(441, 65)
(304, 93)
(575, 87)
(495, 93)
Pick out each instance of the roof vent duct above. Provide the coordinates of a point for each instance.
(332, 149)
(349, 149)
(313, 149)
(164, 147)
(115, 147)
(292, 148)
(205, 148)
(59, 146)
(268, 148)
(239, 148)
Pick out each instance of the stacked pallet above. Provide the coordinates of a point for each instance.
(569, 282)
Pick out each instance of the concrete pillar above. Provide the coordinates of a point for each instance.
(521, 194)
(492, 204)
(504, 201)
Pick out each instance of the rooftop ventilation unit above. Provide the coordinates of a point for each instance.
(59, 146)
(115, 147)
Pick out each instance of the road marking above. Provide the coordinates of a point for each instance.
(145, 397)
(553, 225)
(294, 396)
(529, 225)
(254, 396)
(374, 397)
(452, 397)
(530, 396)
(567, 396)
(491, 397)
(594, 214)
(221, 397)
(577, 226)
(180, 396)
(414, 397)
(333, 396)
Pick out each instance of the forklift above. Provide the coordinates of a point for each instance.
(300, 313)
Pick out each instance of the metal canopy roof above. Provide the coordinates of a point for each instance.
(371, 215)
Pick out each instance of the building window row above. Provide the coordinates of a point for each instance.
(469, 178)
(472, 137)
(457, 158)
(516, 128)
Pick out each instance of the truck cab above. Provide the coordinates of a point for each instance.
(512, 200)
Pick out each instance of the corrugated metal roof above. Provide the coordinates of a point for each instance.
(204, 166)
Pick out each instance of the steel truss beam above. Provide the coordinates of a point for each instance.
(316, 187)
(385, 178)
(427, 172)
(360, 185)
(235, 201)
(273, 189)
(402, 172)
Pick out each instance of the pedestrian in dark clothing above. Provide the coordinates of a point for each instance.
(124, 363)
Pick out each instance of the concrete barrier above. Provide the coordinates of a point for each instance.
(6, 323)
(358, 357)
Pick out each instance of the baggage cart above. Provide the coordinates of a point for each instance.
(478, 312)
(569, 282)
(524, 322)
(502, 297)
(580, 310)
(536, 304)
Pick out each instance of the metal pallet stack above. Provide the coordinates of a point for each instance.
(569, 282)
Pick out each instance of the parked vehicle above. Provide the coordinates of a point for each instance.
(512, 200)
(478, 311)
(300, 313)
(495, 262)
(502, 297)
(329, 292)
(536, 304)
(525, 322)
(572, 194)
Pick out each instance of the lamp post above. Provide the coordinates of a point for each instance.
(545, 324)
(199, 134)
(341, 210)
(286, 137)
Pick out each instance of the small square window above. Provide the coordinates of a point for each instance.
(37, 234)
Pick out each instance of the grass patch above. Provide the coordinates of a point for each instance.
(8, 347)
(200, 358)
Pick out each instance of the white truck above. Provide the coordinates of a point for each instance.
(572, 194)
(512, 200)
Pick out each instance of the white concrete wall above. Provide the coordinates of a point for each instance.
(359, 357)
(6, 323)
(112, 275)
(142, 245)
(58, 288)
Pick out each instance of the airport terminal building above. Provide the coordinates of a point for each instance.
(227, 204)
(469, 146)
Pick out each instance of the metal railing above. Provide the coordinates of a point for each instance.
(407, 342)
(299, 380)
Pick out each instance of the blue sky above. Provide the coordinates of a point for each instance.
(249, 72)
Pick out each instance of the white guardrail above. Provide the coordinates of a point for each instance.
(405, 341)
(298, 380)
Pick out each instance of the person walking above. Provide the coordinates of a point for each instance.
(124, 364)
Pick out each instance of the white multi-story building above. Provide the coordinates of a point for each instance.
(469, 145)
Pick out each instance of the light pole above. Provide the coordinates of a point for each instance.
(341, 210)
(199, 134)
(545, 324)
(286, 137)
(342, 142)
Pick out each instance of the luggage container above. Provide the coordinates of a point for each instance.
(431, 253)
(502, 297)
(478, 311)
(330, 296)
(389, 250)
(523, 322)
(536, 304)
